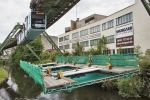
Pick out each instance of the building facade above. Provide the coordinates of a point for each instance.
(47, 46)
(124, 29)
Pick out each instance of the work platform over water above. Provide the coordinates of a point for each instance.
(80, 74)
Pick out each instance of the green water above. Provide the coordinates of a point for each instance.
(91, 77)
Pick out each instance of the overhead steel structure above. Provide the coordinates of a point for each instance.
(54, 9)
(146, 4)
(10, 40)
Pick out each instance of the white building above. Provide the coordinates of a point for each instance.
(126, 28)
(46, 44)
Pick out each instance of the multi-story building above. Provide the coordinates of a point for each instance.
(126, 28)
(47, 46)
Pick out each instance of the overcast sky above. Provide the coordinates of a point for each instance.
(13, 11)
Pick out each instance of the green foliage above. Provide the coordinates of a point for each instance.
(101, 45)
(137, 86)
(53, 55)
(23, 53)
(144, 62)
(3, 74)
(130, 87)
(66, 53)
(119, 50)
(99, 48)
(137, 50)
(109, 85)
(94, 51)
(78, 50)
(45, 55)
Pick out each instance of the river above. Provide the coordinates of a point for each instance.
(21, 87)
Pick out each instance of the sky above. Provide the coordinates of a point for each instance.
(14, 11)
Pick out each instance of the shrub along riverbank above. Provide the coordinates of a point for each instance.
(3, 75)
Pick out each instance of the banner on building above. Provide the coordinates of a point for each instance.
(124, 36)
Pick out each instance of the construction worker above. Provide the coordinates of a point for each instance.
(109, 66)
(59, 74)
(48, 70)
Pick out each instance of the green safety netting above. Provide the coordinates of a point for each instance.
(124, 56)
(58, 59)
(83, 59)
(124, 60)
(100, 60)
(64, 59)
(118, 60)
(73, 59)
(33, 71)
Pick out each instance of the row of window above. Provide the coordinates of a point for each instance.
(95, 29)
(125, 51)
(122, 51)
(64, 47)
(112, 51)
(124, 19)
(120, 20)
(109, 39)
(108, 25)
(75, 35)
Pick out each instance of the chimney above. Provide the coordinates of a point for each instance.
(77, 20)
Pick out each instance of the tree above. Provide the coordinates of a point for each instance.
(139, 85)
(23, 53)
(100, 47)
(137, 49)
(78, 50)
(130, 87)
(66, 53)
(119, 50)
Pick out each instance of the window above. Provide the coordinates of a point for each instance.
(109, 51)
(104, 26)
(126, 51)
(75, 35)
(61, 47)
(74, 45)
(84, 32)
(95, 29)
(66, 37)
(61, 39)
(110, 39)
(124, 19)
(67, 46)
(110, 23)
(94, 42)
(85, 43)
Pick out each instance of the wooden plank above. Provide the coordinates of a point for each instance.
(67, 79)
(52, 82)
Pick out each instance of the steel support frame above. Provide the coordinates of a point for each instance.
(11, 34)
(33, 52)
(7, 54)
(52, 42)
(146, 5)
